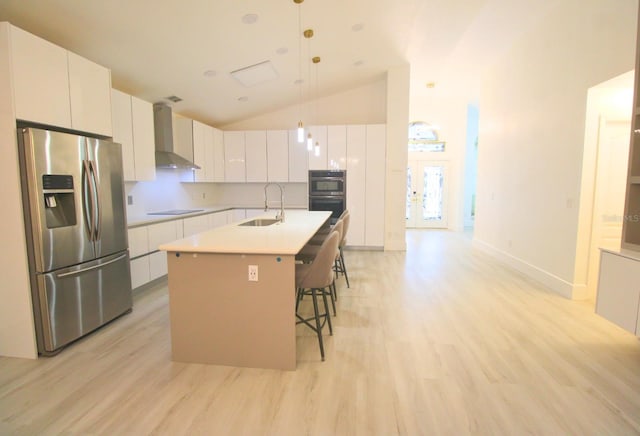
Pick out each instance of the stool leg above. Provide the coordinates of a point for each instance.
(344, 268)
(318, 326)
(326, 310)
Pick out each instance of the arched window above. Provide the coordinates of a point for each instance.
(424, 137)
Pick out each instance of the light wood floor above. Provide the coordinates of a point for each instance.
(441, 339)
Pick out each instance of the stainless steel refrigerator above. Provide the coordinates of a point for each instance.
(75, 221)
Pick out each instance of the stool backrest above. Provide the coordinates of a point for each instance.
(320, 273)
(345, 227)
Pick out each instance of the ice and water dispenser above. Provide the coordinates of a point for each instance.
(59, 200)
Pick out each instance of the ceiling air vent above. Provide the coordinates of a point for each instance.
(173, 98)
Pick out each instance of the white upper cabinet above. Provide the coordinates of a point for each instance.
(298, 160)
(218, 155)
(209, 155)
(318, 161)
(337, 147)
(132, 120)
(256, 155)
(277, 156)
(123, 130)
(356, 181)
(40, 80)
(144, 141)
(56, 87)
(234, 155)
(182, 136)
(90, 91)
(375, 184)
(199, 153)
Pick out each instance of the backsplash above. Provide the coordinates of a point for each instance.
(168, 192)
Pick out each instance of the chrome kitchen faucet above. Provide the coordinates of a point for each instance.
(279, 216)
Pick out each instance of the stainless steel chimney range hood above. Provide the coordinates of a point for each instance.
(166, 158)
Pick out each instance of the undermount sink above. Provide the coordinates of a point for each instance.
(260, 222)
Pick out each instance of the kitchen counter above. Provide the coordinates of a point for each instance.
(286, 237)
(223, 314)
(146, 219)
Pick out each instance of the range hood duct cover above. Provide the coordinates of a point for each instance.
(163, 129)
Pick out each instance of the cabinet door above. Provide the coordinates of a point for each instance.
(277, 156)
(218, 155)
(234, 154)
(144, 143)
(139, 271)
(374, 185)
(196, 224)
(199, 151)
(318, 161)
(162, 233)
(256, 155)
(157, 265)
(40, 80)
(183, 136)
(619, 290)
(209, 154)
(123, 131)
(337, 147)
(218, 219)
(238, 215)
(356, 172)
(298, 160)
(90, 94)
(138, 241)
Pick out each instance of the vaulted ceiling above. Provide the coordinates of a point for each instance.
(160, 48)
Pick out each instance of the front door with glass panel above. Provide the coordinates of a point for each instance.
(427, 194)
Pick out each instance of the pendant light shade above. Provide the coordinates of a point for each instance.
(300, 132)
(317, 149)
(309, 142)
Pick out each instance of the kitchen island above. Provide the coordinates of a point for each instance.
(232, 291)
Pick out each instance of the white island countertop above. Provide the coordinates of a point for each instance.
(286, 238)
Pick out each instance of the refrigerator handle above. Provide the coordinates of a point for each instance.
(98, 204)
(88, 186)
(80, 271)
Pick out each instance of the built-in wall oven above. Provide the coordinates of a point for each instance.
(328, 191)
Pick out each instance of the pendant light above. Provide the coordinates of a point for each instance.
(316, 61)
(308, 34)
(300, 130)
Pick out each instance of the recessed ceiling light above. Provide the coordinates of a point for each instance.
(282, 50)
(243, 98)
(210, 73)
(357, 27)
(250, 18)
(358, 63)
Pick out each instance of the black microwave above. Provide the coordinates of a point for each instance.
(323, 183)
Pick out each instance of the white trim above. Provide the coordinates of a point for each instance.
(551, 281)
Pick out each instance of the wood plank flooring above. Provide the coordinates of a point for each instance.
(440, 340)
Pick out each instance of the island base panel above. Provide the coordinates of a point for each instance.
(219, 317)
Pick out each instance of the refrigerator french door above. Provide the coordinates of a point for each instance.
(73, 196)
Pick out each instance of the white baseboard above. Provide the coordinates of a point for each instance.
(551, 281)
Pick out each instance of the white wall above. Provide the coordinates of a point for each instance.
(611, 100)
(532, 124)
(17, 334)
(365, 104)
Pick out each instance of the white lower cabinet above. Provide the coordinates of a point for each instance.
(157, 265)
(196, 224)
(139, 271)
(618, 297)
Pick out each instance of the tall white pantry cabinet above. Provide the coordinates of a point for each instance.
(42, 83)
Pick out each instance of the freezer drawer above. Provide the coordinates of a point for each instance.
(75, 301)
